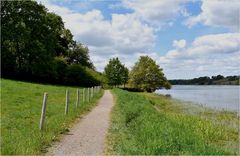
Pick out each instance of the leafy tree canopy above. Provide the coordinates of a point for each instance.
(79, 54)
(116, 72)
(29, 36)
(36, 46)
(147, 75)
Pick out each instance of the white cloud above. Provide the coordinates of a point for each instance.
(218, 13)
(179, 44)
(123, 35)
(157, 12)
(207, 55)
(127, 36)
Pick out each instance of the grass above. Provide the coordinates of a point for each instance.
(147, 124)
(21, 104)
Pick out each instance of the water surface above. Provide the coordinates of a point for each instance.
(215, 96)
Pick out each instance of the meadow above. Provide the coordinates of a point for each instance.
(21, 105)
(149, 124)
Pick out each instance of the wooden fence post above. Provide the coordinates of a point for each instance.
(66, 103)
(83, 94)
(44, 105)
(92, 91)
(88, 94)
(77, 98)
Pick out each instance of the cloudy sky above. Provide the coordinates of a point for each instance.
(187, 38)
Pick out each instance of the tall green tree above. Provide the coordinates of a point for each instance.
(147, 75)
(64, 43)
(29, 37)
(115, 72)
(36, 46)
(125, 73)
(79, 54)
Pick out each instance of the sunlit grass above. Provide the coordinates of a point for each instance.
(20, 113)
(148, 124)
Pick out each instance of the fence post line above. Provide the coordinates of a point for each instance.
(44, 105)
(66, 103)
(77, 101)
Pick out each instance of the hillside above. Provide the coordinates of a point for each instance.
(21, 105)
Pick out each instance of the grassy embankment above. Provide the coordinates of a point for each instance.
(226, 82)
(149, 124)
(21, 104)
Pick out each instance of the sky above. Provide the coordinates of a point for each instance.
(187, 38)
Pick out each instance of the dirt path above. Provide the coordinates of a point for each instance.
(87, 137)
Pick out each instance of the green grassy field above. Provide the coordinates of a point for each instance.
(148, 124)
(21, 105)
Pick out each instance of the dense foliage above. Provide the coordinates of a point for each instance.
(214, 80)
(36, 46)
(147, 75)
(116, 72)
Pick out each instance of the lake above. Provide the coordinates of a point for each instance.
(215, 96)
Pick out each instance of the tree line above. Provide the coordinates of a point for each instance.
(35, 46)
(145, 75)
(205, 80)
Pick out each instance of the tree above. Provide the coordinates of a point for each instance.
(218, 77)
(79, 54)
(115, 72)
(35, 46)
(29, 37)
(147, 75)
(64, 43)
(125, 76)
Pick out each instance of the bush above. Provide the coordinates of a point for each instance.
(81, 76)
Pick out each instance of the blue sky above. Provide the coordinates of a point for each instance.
(187, 38)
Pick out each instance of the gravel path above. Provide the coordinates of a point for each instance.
(87, 137)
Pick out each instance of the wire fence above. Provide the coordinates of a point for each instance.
(87, 95)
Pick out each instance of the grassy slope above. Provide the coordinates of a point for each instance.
(226, 82)
(20, 113)
(151, 125)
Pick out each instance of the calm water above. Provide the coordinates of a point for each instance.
(218, 97)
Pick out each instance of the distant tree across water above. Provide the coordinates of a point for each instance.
(205, 80)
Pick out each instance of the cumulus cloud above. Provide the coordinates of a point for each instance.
(217, 13)
(123, 35)
(128, 36)
(157, 12)
(209, 55)
(179, 44)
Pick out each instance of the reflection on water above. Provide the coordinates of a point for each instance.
(219, 97)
